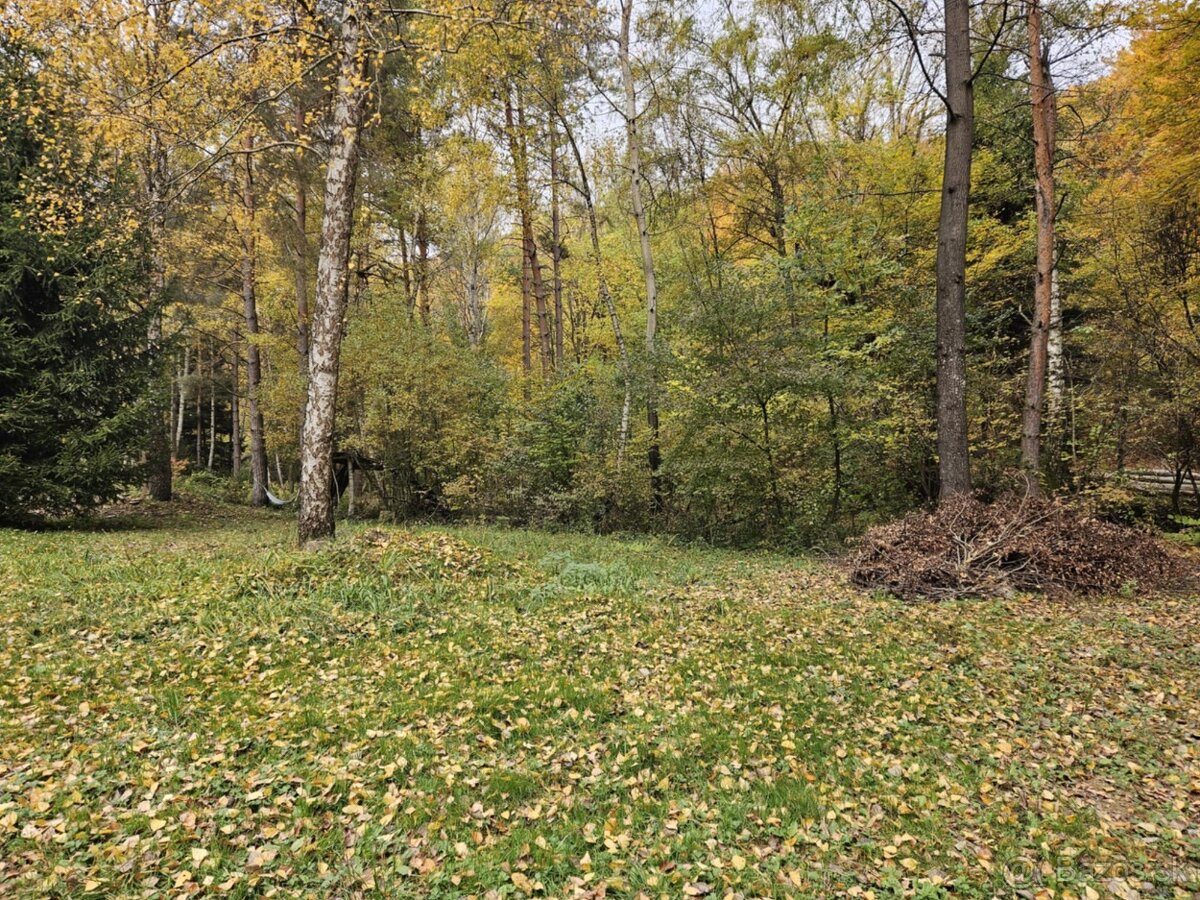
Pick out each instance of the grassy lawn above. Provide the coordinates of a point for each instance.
(191, 706)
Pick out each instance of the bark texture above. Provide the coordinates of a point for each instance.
(158, 462)
(533, 288)
(1042, 98)
(1055, 367)
(258, 445)
(301, 251)
(316, 520)
(556, 237)
(954, 471)
(235, 412)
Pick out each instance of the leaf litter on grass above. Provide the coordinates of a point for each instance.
(395, 717)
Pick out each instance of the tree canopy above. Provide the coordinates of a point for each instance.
(648, 264)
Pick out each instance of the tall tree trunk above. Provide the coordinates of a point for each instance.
(258, 446)
(406, 275)
(954, 470)
(301, 251)
(545, 335)
(212, 405)
(199, 408)
(158, 462)
(634, 153)
(514, 150)
(533, 293)
(1055, 369)
(526, 313)
(422, 240)
(181, 406)
(1042, 98)
(556, 237)
(605, 294)
(235, 412)
(316, 446)
(474, 314)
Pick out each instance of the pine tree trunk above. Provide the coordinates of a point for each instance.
(634, 151)
(316, 447)
(1041, 89)
(953, 454)
(258, 446)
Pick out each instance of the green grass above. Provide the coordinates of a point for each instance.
(190, 705)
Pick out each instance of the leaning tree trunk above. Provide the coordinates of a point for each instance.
(954, 469)
(1041, 89)
(634, 150)
(316, 445)
(258, 445)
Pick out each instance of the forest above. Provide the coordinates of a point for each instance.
(585, 448)
(747, 272)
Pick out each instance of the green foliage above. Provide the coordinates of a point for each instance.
(550, 453)
(74, 363)
(1188, 530)
(425, 406)
(210, 486)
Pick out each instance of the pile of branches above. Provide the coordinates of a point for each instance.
(968, 548)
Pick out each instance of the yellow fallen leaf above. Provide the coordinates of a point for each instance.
(522, 882)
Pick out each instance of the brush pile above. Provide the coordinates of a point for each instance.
(968, 548)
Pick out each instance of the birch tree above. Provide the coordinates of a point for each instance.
(316, 513)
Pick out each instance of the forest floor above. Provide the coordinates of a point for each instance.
(188, 705)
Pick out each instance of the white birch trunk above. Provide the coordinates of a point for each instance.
(316, 445)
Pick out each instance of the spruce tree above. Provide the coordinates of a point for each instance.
(75, 367)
